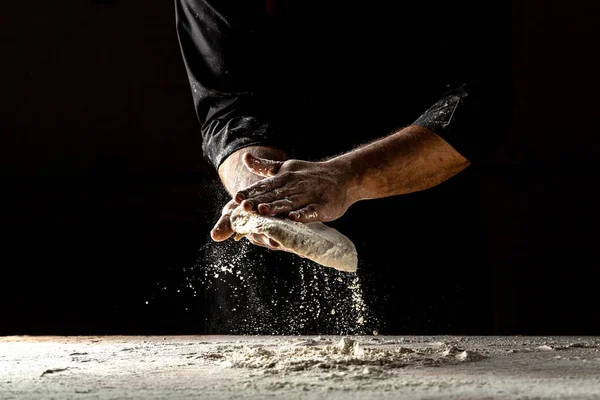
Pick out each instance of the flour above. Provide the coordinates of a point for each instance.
(315, 241)
(242, 283)
(298, 368)
(351, 358)
(249, 290)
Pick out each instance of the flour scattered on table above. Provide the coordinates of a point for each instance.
(351, 358)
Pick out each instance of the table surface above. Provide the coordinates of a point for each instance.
(307, 367)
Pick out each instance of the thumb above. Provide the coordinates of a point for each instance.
(222, 229)
(261, 166)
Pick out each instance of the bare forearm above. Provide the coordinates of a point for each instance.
(235, 176)
(410, 160)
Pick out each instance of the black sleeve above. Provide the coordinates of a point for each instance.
(222, 44)
(474, 109)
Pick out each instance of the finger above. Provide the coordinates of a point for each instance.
(247, 205)
(269, 197)
(306, 214)
(222, 229)
(261, 166)
(229, 207)
(260, 187)
(278, 207)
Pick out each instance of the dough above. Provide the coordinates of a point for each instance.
(315, 240)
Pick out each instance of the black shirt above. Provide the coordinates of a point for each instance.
(345, 72)
(319, 78)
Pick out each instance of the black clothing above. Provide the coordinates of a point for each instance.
(343, 71)
(318, 79)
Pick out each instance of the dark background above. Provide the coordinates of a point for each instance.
(106, 199)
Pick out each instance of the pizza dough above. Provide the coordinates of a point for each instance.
(315, 240)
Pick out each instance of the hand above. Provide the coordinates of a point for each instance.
(303, 191)
(223, 231)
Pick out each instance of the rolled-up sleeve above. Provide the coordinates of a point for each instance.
(473, 110)
(222, 44)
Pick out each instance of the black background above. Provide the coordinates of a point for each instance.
(106, 198)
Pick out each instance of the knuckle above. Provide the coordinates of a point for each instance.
(265, 198)
(267, 184)
(272, 167)
(310, 211)
(286, 175)
(288, 202)
(254, 190)
(292, 164)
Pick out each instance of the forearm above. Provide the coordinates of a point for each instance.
(234, 174)
(407, 161)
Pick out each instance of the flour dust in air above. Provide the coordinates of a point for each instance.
(252, 290)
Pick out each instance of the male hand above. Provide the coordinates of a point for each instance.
(223, 231)
(235, 176)
(303, 191)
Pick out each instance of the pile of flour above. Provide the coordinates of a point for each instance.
(348, 357)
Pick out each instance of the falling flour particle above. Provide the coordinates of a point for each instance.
(238, 267)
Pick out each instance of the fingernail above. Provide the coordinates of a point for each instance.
(239, 197)
(248, 205)
(294, 215)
